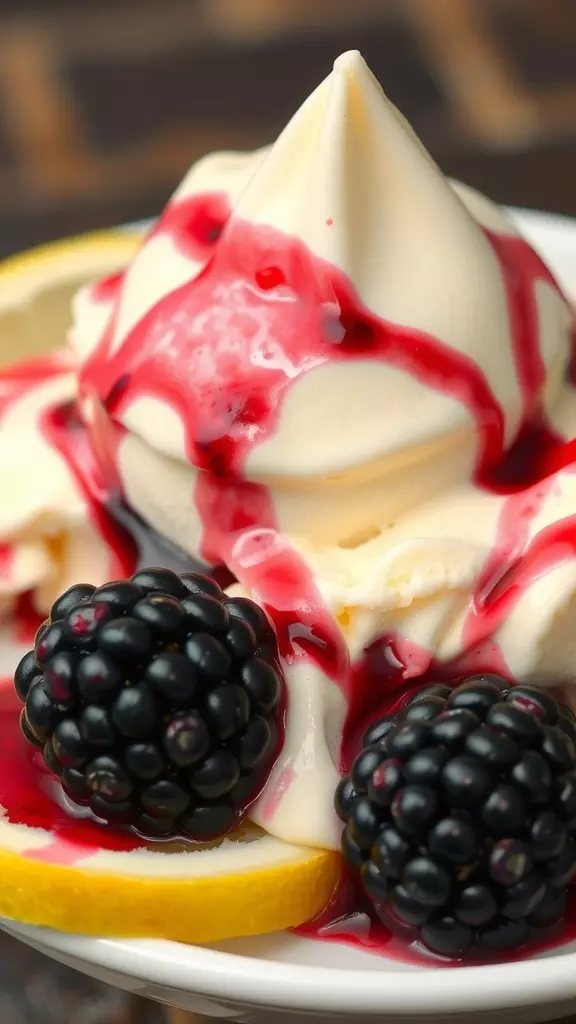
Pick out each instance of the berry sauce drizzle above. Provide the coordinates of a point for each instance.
(229, 399)
(29, 796)
(224, 423)
(194, 224)
(63, 430)
(106, 289)
(19, 380)
(16, 382)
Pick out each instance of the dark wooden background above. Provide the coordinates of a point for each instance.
(104, 103)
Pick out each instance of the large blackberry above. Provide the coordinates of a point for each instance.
(460, 815)
(156, 701)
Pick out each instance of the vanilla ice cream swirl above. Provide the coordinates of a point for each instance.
(347, 378)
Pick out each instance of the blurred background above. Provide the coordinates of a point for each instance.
(104, 103)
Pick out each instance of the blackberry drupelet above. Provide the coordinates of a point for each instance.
(460, 815)
(156, 700)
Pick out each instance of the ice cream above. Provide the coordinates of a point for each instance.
(46, 535)
(320, 390)
(346, 379)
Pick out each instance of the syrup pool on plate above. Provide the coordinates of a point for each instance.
(30, 795)
(349, 920)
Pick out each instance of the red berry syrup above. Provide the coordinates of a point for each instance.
(30, 795)
(349, 919)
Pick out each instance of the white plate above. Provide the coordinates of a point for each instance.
(248, 977)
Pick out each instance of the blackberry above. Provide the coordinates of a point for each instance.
(71, 600)
(460, 815)
(241, 609)
(26, 675)
(156, 701)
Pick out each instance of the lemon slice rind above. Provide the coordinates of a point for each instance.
(236, 888)
(84, 256)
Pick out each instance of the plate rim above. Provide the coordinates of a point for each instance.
(324, 989)
(232, 977)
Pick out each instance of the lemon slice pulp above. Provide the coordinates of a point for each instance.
(36, 288)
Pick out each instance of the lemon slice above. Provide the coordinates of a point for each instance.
(248, 884)
(36, 288)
